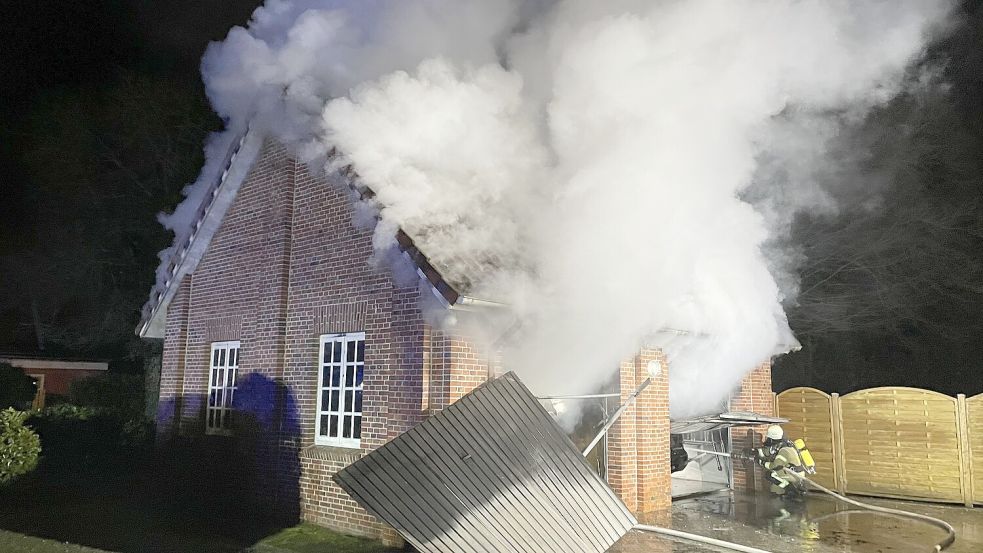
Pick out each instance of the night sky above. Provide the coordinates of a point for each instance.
(102, 118)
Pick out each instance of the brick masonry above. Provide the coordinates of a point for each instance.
(638, 444)
(755, 396)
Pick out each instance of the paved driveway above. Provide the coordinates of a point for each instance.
(819, 525)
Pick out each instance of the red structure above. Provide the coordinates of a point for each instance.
(54, 375)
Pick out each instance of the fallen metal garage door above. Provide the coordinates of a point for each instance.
(491, 473)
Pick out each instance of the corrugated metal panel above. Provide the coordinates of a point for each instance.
(721, 421)
(491, 473)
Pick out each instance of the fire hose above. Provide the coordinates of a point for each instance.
(946, 542)
(950, 531)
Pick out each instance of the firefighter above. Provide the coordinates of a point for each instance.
(783, 460)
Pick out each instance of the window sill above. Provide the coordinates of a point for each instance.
(331, 453)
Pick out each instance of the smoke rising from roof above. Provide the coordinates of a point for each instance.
(589, 159)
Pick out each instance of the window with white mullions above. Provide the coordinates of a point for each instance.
(221, 387)
(341, 363)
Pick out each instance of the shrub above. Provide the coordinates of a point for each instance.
(19, 446)
(79, 438)
(119, 394)
(16, 388)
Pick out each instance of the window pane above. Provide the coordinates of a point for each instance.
(219, 377)
(215, 358)
(229, 397)
(230, 377)
(359, 374)
(336, 376)
(358, 401)
(324, 425)
(333, 426)
(211, 398)
(336, 356)
(235, 357)
(334, 401)
(346, 428)
(350, 376)
(220, 396)
(358, 428)
(214, 377)
(350, 353)
(361, 350)
(348, 401)
(221, 357)
(327, 352)
(211, 418)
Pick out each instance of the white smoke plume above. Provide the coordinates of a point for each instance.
(592, 156)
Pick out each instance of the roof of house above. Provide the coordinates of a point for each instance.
(41, 361)
(450, 278)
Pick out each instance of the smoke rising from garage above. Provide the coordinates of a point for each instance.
(588, 159)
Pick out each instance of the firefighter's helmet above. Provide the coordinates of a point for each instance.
(775, 432)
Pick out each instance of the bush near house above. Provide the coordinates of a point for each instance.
(19, 446)
(16, 388)
(85, 439)
(119, 394)
(102, 428)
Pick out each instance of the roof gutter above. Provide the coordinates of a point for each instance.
(471, 303)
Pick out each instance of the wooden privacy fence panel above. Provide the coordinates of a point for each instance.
(891, 442)
(974, 414)
(901, 442)
(810, 416)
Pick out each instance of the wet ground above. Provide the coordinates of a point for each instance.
(819, 524)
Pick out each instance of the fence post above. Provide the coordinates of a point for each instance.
(839, 454)
(965, 452)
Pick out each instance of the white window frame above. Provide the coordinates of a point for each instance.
(223, 369)
(325, 390)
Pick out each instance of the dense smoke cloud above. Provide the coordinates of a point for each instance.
(595, 158)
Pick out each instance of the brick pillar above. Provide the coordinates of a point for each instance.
(754, 396)
(638, 444)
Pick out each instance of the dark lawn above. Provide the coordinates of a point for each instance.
(122, 514)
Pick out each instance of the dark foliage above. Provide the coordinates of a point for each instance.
(81, 440)
(16, 388)
(19, 446)
(118, 394)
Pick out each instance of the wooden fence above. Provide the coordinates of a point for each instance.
(891, 442)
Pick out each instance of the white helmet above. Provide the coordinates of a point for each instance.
(775, 432)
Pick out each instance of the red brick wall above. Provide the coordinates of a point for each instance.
(638, 444)
(172, 361)
(330, 265)
(457, 366)
(289, 250)
(754, 396)
(243, 274)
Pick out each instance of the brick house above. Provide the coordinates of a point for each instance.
(274, 290)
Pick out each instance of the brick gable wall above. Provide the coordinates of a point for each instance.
(329, 269)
